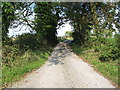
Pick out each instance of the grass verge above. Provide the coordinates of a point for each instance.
(108, 69)
(21, 65)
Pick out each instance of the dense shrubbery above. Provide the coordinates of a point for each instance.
(17, 48)
(109, 52)
(108, 48)
(117, 38)
(27, 41)
(92, 17)
(18, 65)
(61, 39)
(21, 45)
(103, 56)
(21, 55)
(9, 53)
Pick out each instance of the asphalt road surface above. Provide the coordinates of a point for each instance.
(64, 70)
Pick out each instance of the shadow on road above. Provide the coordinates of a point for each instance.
(58, 54)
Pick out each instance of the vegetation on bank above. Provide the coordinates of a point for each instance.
(22, 55)
(28, 51)
(108, 65)
(21, 63)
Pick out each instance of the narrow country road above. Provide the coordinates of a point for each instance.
(64, 70)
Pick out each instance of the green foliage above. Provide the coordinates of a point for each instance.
(79, 15)
(61, 39)
(106, 47)
(7, 18)
(48, 15)
(83, 16)
(106, 10)
(19, 64)
(109, 52)
(117, 39)
(9, 53)
(27, 41)
(109, 69)
(68, 33)
(11, 11)
(47, 21)
(97, 49)
(77, 48)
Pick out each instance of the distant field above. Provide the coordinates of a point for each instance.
(61, 39)
(69, 38)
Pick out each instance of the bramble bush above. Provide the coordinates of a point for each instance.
(9, 53)
(27, 41)
(108, 48)
(109, 52)
(17, 47)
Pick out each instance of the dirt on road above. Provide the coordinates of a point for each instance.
(64, 70)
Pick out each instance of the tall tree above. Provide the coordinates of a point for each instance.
(104, 17)
(79, 14)
(13, 15)
(86, 16)
(7, 17)
(47, 17)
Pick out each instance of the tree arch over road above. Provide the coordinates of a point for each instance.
(85, 17)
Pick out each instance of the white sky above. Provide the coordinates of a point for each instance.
(17, 31)
(65, 27)
(61, 31)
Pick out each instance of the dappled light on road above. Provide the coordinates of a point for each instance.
(64, 70)
(58, 54)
